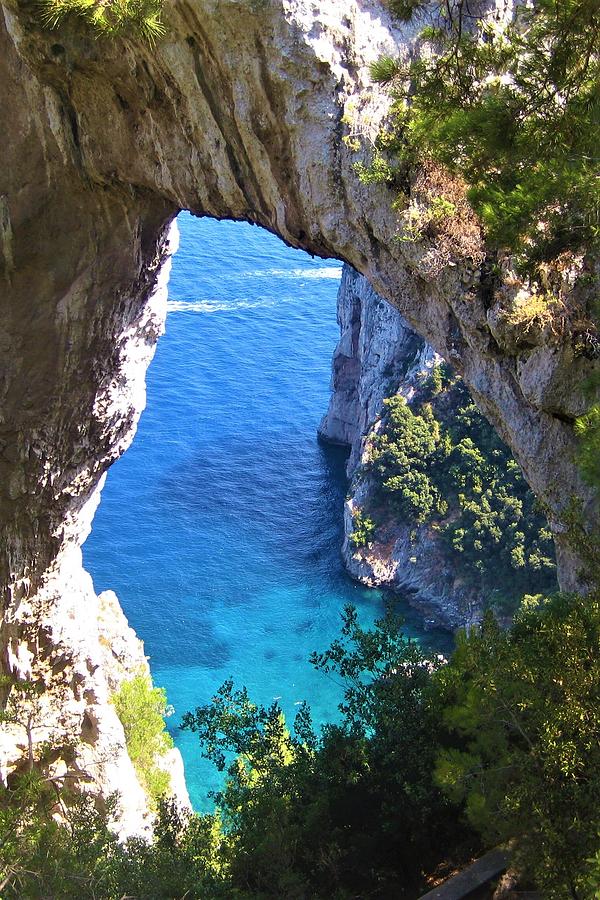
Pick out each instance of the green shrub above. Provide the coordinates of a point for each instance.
(39, 857)
(437, 380)
(79, 856)
(516, 113)
(383, 70)
(352, 812)
(363, 529)
(379, 171)
(442, 462)
(141, 709)
(405, 9)
(503, 740)
(400, 460)
(593, 878)
(523, 752)
(587, 429)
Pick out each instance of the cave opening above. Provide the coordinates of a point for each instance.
(220, 529)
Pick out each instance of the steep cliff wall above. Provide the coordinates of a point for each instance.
(378, 354)
(75, 645)
(376, 349)
(239, 112)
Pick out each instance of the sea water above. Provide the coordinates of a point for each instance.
(220, 529)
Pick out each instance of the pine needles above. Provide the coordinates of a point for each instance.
(109, 17)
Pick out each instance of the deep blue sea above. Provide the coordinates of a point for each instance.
(220, 529)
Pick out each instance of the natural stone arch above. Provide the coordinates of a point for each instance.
(239, 112)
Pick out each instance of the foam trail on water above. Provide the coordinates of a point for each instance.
(325, 272)
(212, 306)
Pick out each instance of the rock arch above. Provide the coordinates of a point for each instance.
(239, 113)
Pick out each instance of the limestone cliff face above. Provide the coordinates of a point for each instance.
(60, 635)
(378, 354)
(239, 112)
(373, 356)
(412, 561)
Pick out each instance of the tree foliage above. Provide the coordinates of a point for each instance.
(110, 18)
(352, 811)
(54, 843)
(363, 529)
(440, 462)
(524, 756)
(515, 110)
(401, 459)
(42, 856)
(503, 740)
(587, 429)
(23, 709)
(141, 709)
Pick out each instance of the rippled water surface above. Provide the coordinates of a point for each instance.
(220, 528)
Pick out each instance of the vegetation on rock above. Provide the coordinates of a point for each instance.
(521, 708)
(353, 811)
(438, 462)
(141, 709)
(513, 109)
(429, 763)
(489, 96)
(363, 529)
(25, 712)
(109, 18)
(588, 430)
(68, 849)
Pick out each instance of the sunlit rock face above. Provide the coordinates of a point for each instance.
(239, 112)
(379, 355)
(376, 350)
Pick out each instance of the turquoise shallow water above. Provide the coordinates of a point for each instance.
(220, 528)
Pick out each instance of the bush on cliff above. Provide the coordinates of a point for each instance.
(587, 428)
(515, 111)
(363, 529)
(505, 739)
(520, 709)
(353, 811)
(141, 709)
(57, 844)
(438, 461)
(43, 857)
(110, 18)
